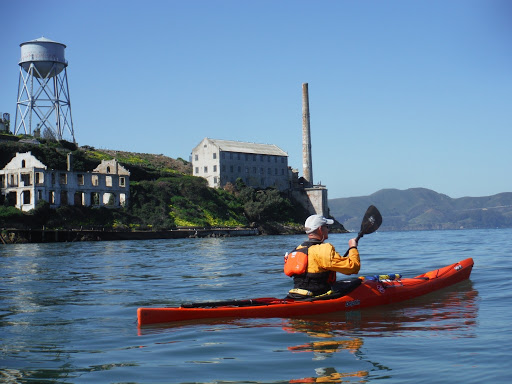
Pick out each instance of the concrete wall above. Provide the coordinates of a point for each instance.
(314, 200)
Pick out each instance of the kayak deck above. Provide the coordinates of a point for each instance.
(368, 294)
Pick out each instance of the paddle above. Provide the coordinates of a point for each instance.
(371, 222)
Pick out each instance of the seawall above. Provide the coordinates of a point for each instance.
(9, 236)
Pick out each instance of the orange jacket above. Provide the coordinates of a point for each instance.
(323, 257)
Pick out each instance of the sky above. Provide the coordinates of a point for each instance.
(402, 94)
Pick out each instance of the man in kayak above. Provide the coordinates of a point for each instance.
(318, 275)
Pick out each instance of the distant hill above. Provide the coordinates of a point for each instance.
(424, 209)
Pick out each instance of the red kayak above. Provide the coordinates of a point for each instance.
(369, 292)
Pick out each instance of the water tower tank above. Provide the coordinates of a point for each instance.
(45, 55)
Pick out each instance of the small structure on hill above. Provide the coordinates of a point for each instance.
(25, 180)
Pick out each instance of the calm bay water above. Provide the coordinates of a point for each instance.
(68, 314)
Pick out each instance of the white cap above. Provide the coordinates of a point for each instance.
(314, 222)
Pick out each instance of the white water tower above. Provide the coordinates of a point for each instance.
(43, 91)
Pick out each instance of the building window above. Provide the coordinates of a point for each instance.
(122, 181)
(223, 168)
(214, 155)
(253, 169)
(53, 178)
(214, 168)
(231, 155)
(246, 169)
(239, 169)
(231, 168)
(52, 197)
(63, 178)
(25, 179)
(122, 199)
(269, 171)
(205, 169)
(214, 179)
(275, 171)
(246, 157)
(197, 170)
(78, 198)
(23, 163)
(238, 156)
(26, 197)
(196, 157)
(80, 179)
(108, 169)
(108, 181)
(95, 198)
(94, 180)
(63, 198)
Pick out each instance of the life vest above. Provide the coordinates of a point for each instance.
(296, 264)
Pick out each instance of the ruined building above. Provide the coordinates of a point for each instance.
(25, 180)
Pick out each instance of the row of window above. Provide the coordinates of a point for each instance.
(63, 180)
(246, 156)
(79, 198)
(251, 181)
(239, 170)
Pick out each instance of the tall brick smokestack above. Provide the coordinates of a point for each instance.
(307, 166)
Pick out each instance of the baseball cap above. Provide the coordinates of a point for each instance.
(314, 222)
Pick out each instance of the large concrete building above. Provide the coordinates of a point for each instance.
(25, 180)
(224, 161)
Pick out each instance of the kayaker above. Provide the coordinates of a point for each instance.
(322, 261)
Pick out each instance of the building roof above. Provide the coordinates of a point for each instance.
(242, 147)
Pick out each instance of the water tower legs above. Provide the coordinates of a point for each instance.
(40, 98)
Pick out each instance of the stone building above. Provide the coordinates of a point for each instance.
(224, 161)
(25, 180)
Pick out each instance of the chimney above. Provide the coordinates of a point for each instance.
(307, 167)
(70, 161)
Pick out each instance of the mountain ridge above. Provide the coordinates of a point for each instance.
(425, 209)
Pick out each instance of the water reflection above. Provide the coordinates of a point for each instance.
(451, 313)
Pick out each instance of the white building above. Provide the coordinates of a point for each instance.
(224, 161)
(25, 180)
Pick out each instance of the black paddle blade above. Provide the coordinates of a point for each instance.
(371, 221)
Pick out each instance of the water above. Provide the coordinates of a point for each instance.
(68, 314)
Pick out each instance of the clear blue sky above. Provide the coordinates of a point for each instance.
(403, 94)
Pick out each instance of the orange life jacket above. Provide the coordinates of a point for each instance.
(296, 265)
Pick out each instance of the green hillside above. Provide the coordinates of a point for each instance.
(423, 209)
(164, 195)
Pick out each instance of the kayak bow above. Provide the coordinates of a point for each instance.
(370, 293)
